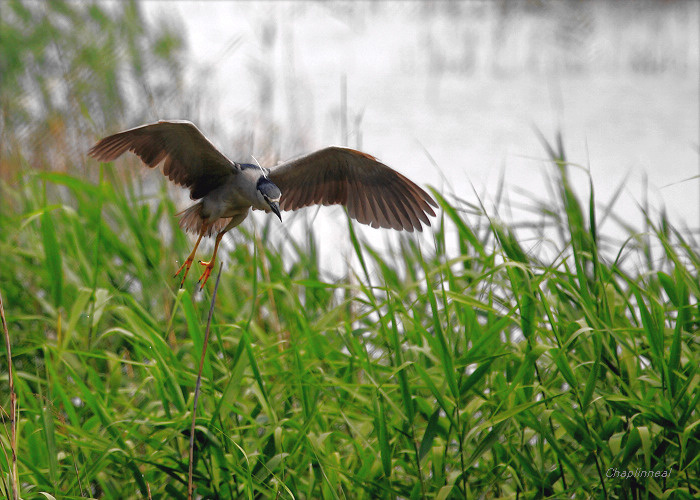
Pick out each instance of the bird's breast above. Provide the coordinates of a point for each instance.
(226, 201)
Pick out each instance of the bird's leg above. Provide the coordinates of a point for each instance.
(208, 266)
(188, 263)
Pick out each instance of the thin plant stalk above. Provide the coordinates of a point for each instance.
(190, 484)
(14, 480)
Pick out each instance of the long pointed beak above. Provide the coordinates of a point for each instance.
(276, 209)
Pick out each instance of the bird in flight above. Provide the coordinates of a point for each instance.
(373, 193)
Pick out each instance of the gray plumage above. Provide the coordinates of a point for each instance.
(373, 193)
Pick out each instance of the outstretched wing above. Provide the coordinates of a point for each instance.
(373, 193)
(190, 159)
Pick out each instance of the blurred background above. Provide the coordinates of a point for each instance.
(448, 93)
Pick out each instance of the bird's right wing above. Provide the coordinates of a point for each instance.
(373, 193)
(190, 159)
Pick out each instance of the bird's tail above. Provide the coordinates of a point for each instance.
(191, 221)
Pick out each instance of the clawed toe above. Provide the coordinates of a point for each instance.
(186, 266)
(205, 275)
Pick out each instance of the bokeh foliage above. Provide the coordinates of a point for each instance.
(70, 69)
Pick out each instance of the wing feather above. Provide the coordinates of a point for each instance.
(401, 199)
(373, 193)
(399, 217)
(190, 159)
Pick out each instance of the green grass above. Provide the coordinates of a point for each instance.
(473, 366)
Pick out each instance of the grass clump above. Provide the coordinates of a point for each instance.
(467, 368)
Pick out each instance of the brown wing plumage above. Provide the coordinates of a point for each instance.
(373, 193)
(190, 159)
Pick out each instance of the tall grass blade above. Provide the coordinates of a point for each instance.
(53, 259)
(431, 431)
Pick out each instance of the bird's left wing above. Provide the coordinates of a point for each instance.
(373, 193)
(190, 159)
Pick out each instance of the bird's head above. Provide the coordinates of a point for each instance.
(270, 195)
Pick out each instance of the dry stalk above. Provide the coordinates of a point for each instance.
(14, 480)
(190, 483)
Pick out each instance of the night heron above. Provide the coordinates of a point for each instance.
(373, 193)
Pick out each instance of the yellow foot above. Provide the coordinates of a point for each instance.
(208, 266)
(186, 266)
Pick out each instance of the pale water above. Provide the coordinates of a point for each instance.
(448, 95)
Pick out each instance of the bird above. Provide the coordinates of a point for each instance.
(225, 190)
